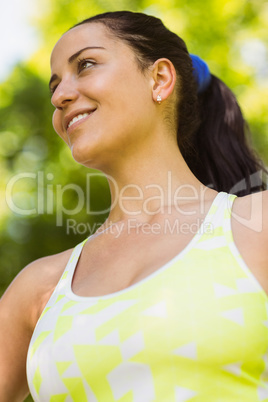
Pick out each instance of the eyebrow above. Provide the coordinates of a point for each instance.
(71, 59)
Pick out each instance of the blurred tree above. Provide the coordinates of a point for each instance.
(41, 213)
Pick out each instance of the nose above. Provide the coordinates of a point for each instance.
(64, 94)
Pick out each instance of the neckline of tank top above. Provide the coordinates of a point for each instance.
(73, 296)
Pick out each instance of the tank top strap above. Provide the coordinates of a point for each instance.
(219, 215)
(227, 227)
(68, 272)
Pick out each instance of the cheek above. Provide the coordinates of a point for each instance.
(56, 122)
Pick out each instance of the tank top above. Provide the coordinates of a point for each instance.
(194, 330)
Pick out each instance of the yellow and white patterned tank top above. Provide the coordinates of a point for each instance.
(195, 330)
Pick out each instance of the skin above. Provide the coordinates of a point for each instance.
(128, 138)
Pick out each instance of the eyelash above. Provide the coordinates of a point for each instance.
(80, 63)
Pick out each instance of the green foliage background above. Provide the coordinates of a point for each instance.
(224, 33)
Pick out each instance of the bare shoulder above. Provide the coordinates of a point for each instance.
(33, 286)
(251, 212)
(250, 233)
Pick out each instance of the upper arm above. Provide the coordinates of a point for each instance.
(15, 335)
(20, 308)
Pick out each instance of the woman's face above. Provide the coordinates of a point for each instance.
(103, 102)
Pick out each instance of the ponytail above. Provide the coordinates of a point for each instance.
(221, 156)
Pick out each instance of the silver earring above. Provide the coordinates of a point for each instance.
(159, 99)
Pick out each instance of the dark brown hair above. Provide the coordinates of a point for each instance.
(212, 133)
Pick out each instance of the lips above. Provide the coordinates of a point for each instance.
(77, 118)
(74, 118)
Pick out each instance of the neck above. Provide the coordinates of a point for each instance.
(143, 187)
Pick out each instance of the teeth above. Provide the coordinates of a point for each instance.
(76, 118)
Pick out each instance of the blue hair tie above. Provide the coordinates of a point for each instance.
(201, 73)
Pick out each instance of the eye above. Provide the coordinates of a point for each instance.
(84, 64)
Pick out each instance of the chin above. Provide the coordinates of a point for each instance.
(84, 156)
(80, 156)
(93, 154)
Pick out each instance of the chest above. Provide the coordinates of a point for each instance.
(170, 328)
(107, 267)
(114, 262)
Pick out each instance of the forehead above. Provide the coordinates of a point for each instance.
(89, 34)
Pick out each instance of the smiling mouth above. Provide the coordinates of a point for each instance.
(77, 118)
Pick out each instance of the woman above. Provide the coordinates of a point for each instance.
(168, 301)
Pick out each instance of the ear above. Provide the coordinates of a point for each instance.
(163, 78)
